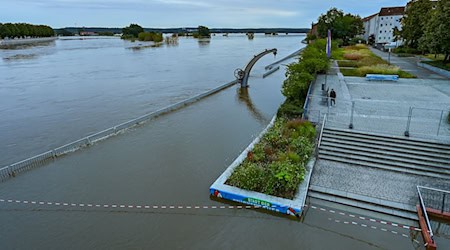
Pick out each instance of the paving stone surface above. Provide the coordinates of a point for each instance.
(384, 108)
(372, 182)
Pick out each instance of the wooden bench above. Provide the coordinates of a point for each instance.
(376, 77)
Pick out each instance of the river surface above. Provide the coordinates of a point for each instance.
(59, 92)
(75, 87)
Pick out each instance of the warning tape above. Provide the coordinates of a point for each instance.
(365, 218)
(128, 206)
(90, 205)
(367, 226)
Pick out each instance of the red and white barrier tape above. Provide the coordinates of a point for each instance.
(365, 218)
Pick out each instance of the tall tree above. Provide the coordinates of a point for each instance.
(415, 20)
(436, 36)
(343, 26)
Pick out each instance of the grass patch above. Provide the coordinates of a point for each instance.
(365, 62)
(276, 165)
(382, 69)
(439, 57)
(347, 64)
(350, 72)
(438, 64)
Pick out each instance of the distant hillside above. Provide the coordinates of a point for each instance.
(76, 30)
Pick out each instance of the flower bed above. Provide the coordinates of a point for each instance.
(291, 206)
(276, 165)
(365, 62)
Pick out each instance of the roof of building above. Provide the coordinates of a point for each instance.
(392, 11)
(365, 19)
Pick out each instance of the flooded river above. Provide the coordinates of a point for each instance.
(169, 162)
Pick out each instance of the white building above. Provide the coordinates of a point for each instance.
(370, 25)
(382, 24)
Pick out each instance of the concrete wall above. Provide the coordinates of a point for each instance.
(436, 70)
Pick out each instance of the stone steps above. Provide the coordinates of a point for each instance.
(364, 202)
(420, 157)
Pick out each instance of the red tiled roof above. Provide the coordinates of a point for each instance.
(392, 11)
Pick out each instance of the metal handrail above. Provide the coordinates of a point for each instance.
(430, 230)
(434, 189)
(321, 130)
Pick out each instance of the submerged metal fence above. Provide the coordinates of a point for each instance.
(38, 160)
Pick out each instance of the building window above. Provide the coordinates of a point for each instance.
(381, 31)
(381, 18)
(381, 25)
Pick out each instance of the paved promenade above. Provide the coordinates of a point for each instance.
(408, 64)
(382, 107)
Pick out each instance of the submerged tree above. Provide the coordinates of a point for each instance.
(132, 31)
(202, 32)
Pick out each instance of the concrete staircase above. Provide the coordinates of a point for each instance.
(399, 154)
(410, 156)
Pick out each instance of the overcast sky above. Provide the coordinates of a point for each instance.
(182, 13)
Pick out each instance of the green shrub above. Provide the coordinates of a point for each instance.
(250, 176)
(296, 85)
(314, 65)
(357, 40)
(290, 108)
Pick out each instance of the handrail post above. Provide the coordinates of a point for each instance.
(350, 126)
(440, 121)
(409, 122)
(321, 130)
(424, 209)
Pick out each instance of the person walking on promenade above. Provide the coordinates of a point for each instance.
(333, 97)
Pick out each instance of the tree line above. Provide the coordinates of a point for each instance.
(23, 30)
(426, 27)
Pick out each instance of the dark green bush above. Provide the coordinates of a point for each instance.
(356, 40)
(290, 108)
